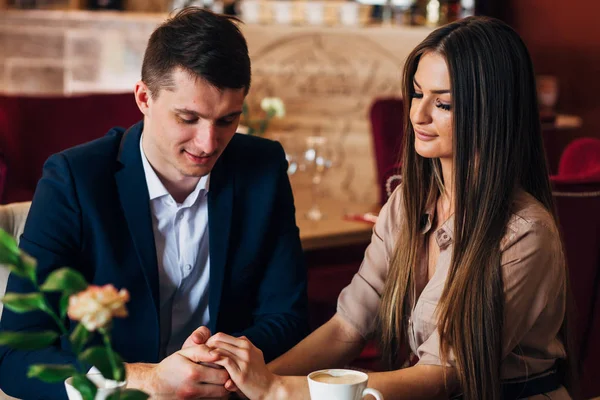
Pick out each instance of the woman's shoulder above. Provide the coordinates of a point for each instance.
(530, 218)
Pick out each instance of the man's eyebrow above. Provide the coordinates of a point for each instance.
(197, 114)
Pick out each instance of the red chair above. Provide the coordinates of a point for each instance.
(329, 271)
(393, 178)
(33, 128)
(578, 208)
(581, 160)
(387, 126)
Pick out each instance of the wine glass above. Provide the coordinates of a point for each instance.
(317, 159)
(293, 151)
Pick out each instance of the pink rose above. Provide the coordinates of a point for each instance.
(96, 306)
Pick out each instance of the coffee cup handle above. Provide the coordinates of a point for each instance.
(375, 393)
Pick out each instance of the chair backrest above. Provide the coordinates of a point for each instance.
(34, 128)
(387, 128)
(393, 178)
(578, 208)
(581, 159)
(12, 220)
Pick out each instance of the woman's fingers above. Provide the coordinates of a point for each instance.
(228, 360)
(241, 342)
(242, 354)
(229, 385)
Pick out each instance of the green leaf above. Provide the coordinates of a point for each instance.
(9, 249)
(18, 262)
(28, 340)
(79, 338)
(51, 373)
(65, 279)
(63, 305)
(28, 265)
(128, 394)
(98, 357)
(21, 303)
(86, 387)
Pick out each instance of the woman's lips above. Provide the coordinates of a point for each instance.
(424, 136)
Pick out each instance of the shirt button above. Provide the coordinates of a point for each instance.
(188, 267)
(445, 237)
(179, 216)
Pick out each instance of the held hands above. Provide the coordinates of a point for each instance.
(246, 366)
(187, 374)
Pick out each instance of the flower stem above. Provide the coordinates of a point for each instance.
(48, 310)
(111, 355)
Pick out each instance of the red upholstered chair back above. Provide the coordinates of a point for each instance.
(578, 208)
(37, 127)
(387, 127)
(581, 159)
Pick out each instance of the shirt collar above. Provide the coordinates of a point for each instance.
(156, 189)
(445, 234)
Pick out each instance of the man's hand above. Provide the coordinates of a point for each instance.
(199, 336)
(180, 376)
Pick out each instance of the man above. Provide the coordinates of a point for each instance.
(195, 221)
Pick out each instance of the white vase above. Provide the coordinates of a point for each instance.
(105, 387)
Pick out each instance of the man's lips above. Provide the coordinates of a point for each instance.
(201, 160)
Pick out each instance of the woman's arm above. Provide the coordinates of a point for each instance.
(334, 344)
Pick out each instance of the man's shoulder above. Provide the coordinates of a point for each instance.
(253, 147)
(104, 148)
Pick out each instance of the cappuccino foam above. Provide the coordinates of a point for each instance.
(347, 379)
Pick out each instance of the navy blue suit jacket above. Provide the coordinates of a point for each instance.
(91, 211)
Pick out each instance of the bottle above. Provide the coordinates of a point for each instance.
(105, 4)
(450, 11)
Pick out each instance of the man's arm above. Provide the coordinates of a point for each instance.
(52, 236)
(281, 314)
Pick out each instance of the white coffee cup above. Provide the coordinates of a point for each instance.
(340, 384)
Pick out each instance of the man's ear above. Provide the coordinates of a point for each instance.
(142, 97)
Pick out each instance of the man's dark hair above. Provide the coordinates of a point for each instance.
(205, 44)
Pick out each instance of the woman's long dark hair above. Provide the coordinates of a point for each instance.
(497, 149)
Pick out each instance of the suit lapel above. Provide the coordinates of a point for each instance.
(220, 210)
(133, 193)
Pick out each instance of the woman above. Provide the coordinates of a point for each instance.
(466, 264)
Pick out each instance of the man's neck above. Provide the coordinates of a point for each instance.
(178, 186)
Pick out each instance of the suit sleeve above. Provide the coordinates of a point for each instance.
(52, 236)
(281, 315)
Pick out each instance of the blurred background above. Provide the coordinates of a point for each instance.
(68, 68)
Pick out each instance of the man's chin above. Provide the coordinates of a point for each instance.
(196, 171)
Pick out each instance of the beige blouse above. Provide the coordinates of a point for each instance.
(534, 275)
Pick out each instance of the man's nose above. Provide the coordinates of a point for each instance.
(205, 138)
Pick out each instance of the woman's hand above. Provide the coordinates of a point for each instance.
(246, 366)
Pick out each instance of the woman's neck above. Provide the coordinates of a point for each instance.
(446, 200)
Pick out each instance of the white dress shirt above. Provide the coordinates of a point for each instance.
(181, 238)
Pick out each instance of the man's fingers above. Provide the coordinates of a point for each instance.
(202, 391)
(201, 335)
(201, 374)
(198, 353)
